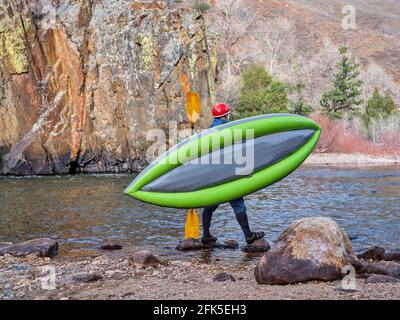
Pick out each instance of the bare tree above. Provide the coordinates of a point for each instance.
(376, 77)
(231, 21)
(277, 42)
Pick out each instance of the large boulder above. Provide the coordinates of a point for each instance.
(309, 249)
(42, 247)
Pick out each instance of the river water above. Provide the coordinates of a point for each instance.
(84, 212)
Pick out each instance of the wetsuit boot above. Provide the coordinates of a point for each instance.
(244, 224)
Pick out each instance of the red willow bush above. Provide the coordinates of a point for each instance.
(336, 138)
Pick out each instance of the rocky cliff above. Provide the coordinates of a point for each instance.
(81, 82)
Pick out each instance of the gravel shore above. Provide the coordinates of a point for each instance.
(110, 277)
(350, 159)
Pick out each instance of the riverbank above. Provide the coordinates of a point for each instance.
(111, 277)
(350, 159)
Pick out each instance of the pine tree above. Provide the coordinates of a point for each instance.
(344, 97)
(299, 105)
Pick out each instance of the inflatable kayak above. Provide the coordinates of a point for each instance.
(227, 162)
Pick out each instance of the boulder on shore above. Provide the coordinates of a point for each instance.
(309, 249)
(224, 276)
(42, 247)
(379, 278)
(86, 277)
(387, 268)
(141, 259)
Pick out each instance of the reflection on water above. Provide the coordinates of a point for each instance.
(83, 212)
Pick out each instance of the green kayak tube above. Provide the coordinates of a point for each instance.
(227, 162)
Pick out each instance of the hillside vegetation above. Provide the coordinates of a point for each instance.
(338, 61)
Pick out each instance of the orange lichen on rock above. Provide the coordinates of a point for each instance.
(184, 83)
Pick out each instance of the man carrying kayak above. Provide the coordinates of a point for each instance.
(220, 113)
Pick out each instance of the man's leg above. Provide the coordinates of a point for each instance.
(207, 216)
(241, 216)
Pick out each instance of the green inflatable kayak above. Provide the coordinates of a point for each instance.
(227, 162)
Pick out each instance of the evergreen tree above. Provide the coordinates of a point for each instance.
(344, 97)
(260, 93)
(378, 107)
(299, 106)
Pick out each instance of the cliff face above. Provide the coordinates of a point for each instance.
(81, 82)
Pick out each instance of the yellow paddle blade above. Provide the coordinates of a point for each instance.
(193, 106)
(192, 225)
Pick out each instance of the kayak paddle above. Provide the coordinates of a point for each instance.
(193, 113)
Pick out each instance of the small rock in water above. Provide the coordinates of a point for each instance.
(224, 276)
(374, 253)
(86, 277)
(379, 278)
(5, 244)
(393, 255)
(43, 247)
(192, 244)
(196, 244)
(228, 244)
(144, 258)
(111, 247)
(260, 245)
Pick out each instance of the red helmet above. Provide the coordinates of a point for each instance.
(220, 110)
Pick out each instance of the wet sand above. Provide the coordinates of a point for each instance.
(22, 278)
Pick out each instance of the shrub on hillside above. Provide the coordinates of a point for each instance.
(201, 6)
(260, 93)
